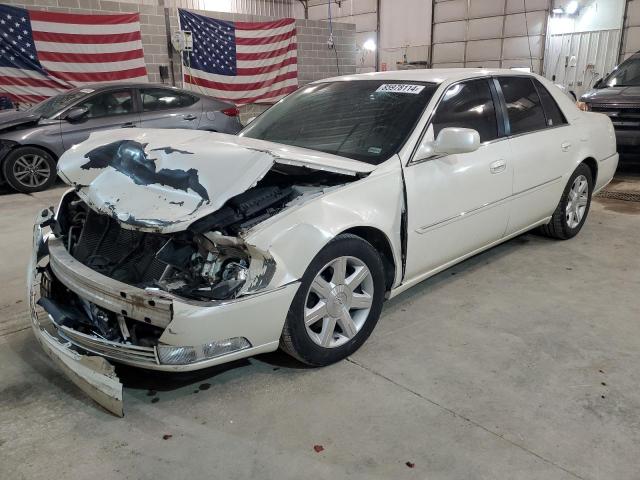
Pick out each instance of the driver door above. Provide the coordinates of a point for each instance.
(458, 204)
(105, 110)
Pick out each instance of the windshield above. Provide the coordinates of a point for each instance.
(626, 75)
(53, 105)
(367, 120)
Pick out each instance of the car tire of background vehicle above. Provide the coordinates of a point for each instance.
(572, 211)
(29, 169)
(338, 303)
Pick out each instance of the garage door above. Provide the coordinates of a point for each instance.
(492, 34)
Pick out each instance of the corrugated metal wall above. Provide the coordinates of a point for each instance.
(631, 37)
(266, 8)
(577, 60)
(482, 33)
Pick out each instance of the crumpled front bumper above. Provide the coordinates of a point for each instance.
(257, 319)
(92, 374)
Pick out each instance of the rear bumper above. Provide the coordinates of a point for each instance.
(606, 170)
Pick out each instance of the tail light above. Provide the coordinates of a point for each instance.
(231, 111)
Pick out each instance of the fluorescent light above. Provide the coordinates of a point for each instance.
(369, 45)
(557, 11)
(572, 8)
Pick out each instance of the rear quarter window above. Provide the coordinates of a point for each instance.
(552, 112)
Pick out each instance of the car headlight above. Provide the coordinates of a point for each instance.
(584, 106)
(170, 355)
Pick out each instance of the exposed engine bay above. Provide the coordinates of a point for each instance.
(209, 260)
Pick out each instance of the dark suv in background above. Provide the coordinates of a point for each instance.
(617, 95)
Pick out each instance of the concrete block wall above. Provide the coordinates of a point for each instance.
(497, 33)
(362, 14)
(315, 60)
(631, 32)
(152, 23)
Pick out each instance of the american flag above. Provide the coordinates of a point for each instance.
(241, 62)
(44, 53)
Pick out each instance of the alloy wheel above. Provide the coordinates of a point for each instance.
(577, 201)
(338, 302)
(31, 170)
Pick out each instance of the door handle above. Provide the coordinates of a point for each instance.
(566, 146)
(189, 117)
(498, 166)
(129, 125)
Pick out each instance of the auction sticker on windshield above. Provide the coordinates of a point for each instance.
(400, 88)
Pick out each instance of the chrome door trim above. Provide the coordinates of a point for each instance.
(486, 206)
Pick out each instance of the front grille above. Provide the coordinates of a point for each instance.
(125, 255)
(114, 350)
(622, 116)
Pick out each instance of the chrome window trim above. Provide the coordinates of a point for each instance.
(411, 160)
(430, 118)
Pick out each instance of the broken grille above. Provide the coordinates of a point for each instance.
(124, 255)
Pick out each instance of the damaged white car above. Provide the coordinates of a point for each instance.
(179, 250)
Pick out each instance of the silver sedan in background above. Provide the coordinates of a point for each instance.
(31, 141)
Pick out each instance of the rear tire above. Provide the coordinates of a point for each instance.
(29, 169)
(572, 211)
(337, 304)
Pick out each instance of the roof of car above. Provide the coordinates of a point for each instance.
(110, 85)
(435, 75)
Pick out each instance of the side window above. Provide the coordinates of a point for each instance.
(107, 104)
(523, 105)
(163, 99)
(552, 112)
(467, 105)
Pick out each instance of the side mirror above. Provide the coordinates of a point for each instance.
(76, 114)
(450, 141)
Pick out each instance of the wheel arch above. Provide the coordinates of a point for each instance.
(34, 145)
(382, 244)
(593, 166)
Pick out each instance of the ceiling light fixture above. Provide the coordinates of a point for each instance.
(369, 45)
(572, 8)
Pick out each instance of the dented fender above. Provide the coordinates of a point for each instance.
(297, 234)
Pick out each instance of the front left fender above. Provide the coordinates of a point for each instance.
(298, 233)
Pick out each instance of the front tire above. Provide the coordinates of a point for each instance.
(572, 211)
(29, 169)
(337, 304)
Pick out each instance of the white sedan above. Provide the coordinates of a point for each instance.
(178, 250)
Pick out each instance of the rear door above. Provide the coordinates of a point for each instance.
(169, 108)
(542, 142)
(105, 110)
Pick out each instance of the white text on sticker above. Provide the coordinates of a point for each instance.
(400, 88)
